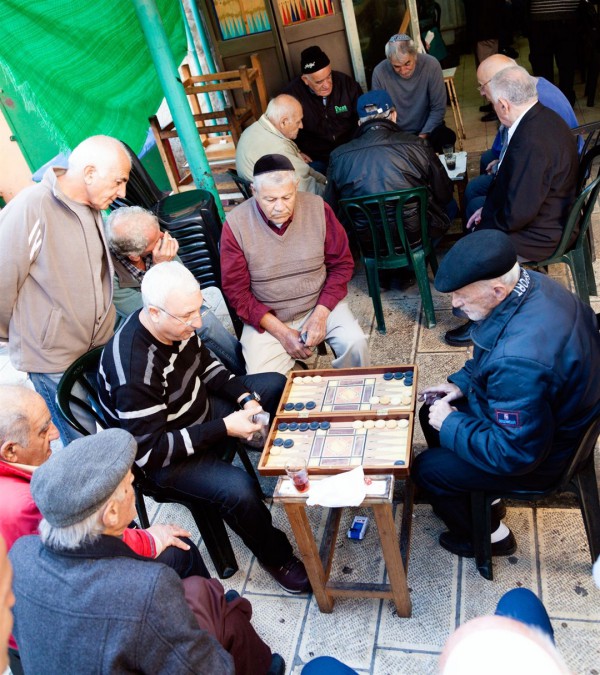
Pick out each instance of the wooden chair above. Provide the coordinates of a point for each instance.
(579, 477)
(246, 89)
(388, 248)
(577, 255)
(207, 518)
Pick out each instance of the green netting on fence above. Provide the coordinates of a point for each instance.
(84, 66)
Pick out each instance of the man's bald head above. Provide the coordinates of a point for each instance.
(285, 114)
(26, 428)
(488, 68)
(97, 173)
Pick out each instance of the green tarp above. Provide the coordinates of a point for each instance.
(82, 67)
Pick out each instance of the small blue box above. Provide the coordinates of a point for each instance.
(358, 528)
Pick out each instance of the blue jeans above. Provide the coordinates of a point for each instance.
(205, 477)
(524, 606)
(222, 344)
(46, 385)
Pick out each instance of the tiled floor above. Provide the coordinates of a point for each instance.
(552, 558)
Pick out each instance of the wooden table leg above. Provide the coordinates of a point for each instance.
(307, 547)
(393, 560)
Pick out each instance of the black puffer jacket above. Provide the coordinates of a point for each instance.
(381, 158)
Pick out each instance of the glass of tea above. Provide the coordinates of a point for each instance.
(298, 474)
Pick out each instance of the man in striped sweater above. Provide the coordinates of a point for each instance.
(159, 382)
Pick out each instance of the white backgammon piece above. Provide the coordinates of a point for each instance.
(391, 424)
(384, 400)
(374, 400)
(396, 400)
(406, 400)
(402, 423)
(357, 424)
(380, 424)
(368, 424)
(307, 378)
(317, 378)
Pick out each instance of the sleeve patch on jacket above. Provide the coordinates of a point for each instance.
(508, 418)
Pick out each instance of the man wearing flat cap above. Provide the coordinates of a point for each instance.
(382, 158)
(328, 99)
(513, 416)
(85, 602)
(286, 264)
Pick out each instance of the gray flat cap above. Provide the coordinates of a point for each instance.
(485, 254)
(75, 481)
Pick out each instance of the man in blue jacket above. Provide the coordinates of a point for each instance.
(513, 416)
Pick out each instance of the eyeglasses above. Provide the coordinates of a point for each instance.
(204, 310)
(481, 86)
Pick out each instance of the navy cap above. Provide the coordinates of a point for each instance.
(269, 163)
(374, 102)
(485, 254)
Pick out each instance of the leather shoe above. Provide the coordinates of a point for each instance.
(291, 576)
(459, 337)
(488, 107)
(464, 547)
(490, 117)
(498, 510)
(277, 666)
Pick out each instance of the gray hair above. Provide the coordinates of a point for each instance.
(14, 420)
(514, 84)
(126, 230)
(162, 280)
(86, 531)
(272, 178)
(377, 116)
(100, 151)
(280, 107)
(400, 45)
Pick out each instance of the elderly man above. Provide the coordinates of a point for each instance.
(286, 266)
(7, 600)
(136, 244)
(535, 184)
(512, 418)
(415, 84)
(78, 581)
(548, 95)
(328, 100)
(275, 132)
(55, 269)
(159, 382)
(382, 158)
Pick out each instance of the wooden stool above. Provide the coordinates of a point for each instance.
(318, 563)
(460, 129)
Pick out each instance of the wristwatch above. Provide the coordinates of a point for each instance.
(249, 397)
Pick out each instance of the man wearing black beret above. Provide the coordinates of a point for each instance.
(328, 99)
(512, 417)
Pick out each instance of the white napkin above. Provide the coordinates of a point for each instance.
(345, 489)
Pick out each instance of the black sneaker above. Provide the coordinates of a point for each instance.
(459, 337)
(291, 576)
(464, 547)
(488, 107)
(277, 666)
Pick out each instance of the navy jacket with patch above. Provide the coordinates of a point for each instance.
(532, 384)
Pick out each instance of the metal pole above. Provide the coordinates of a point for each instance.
(158, 44)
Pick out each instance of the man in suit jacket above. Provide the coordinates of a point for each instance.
(536, 180)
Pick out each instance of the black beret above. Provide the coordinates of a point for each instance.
(486, 254)
(313, 59)
(268, 163)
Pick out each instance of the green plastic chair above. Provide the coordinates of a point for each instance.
(385, 254)
(578, 256)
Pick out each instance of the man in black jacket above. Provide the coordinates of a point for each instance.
(382, 158)
(328, 100)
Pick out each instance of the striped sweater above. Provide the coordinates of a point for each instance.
(159, 393)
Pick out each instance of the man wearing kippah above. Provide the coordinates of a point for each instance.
(286, 264)
(85, 602)
(328, 99)
(415, 83)
(513, 416)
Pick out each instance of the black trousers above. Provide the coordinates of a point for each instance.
(447, 480)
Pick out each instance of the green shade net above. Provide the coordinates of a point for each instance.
(83, 67)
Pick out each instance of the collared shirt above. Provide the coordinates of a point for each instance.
(509, 132)
(137, 273)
